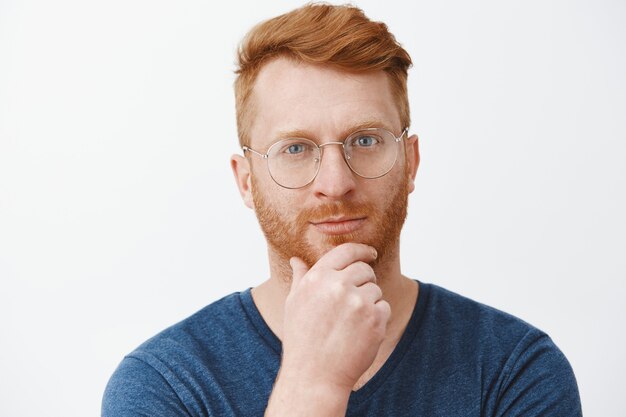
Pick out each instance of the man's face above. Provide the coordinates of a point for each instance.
(326, 105)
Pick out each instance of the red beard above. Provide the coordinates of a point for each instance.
(288, 239)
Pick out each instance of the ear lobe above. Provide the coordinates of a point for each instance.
(413, 159)
(241, 170)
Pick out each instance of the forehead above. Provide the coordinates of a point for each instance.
(318, 100)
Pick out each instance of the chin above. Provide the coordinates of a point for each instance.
(321, 245)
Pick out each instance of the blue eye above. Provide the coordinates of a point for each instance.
(365, 141)
(295, 148)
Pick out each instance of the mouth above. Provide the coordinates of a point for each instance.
(339, 226)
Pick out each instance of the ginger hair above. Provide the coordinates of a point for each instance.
(338, 36)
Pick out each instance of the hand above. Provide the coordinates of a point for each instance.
(335, 318)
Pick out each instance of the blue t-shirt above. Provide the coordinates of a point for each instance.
(456, 357)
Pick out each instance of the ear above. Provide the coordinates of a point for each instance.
(413, 159)
(241, 169)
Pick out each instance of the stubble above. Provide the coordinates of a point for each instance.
(288, 237)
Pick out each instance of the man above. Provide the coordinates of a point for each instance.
(323, 121)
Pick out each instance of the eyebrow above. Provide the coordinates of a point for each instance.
(353, 127)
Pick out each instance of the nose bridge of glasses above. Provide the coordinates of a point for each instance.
(330, 143)
(343, 149)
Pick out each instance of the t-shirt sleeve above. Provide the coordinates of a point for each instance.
(137, 389)
(538, 381)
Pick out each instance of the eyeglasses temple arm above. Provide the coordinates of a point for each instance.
(405, 132)
(247, 148)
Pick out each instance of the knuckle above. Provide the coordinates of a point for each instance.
(357, 303)
(309, 277)
(335, 289)
(384, 309)
(378, 291)
(361, 268)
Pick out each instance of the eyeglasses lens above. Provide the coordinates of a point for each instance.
(293, 163)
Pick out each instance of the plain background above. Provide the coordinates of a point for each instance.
(119, 215)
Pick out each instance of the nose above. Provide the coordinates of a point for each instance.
(335, 179)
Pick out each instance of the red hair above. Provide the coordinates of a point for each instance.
(338, 36)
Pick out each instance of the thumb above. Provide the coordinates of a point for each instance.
(299, 268)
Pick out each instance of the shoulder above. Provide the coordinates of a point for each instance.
(201, 334)
(494, 336)
(159, 376)
(205, 327)
(458, 315)
(519, 366)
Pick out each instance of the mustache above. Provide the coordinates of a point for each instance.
(335, 209)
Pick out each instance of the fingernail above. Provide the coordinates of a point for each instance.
(375, 253)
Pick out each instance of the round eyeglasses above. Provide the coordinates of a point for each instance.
(295, 162)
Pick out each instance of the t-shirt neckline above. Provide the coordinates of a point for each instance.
(363, 393)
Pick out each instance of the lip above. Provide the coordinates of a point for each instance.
(339, 226)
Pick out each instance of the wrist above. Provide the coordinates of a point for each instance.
(296, 393)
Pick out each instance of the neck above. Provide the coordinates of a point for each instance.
(398, 290)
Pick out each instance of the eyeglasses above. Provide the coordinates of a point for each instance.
(295, 162)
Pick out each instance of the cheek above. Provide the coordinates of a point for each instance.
(386, 194)
(262, 184)
(270, 197)
(287, 205)
(259, 173)
(382, 189)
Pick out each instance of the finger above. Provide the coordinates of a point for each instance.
(299, 268)
(359, 273)
(370, 292)
(348, 253)
(385, 311)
